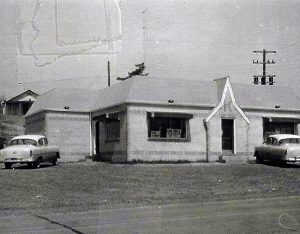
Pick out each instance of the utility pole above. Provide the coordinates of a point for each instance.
(108, 73)
(264, 76)
(144, 35)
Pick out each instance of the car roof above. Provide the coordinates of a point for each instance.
(33, 137)
(284, 136)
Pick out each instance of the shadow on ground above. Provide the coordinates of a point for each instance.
(26, 167)
(286, 165)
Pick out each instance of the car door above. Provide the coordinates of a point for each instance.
(276, 152)
(47, 152)
(273, 149)
(265, 149)
(42, 148)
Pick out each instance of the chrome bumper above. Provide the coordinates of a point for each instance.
(293, 159)
(18, 160)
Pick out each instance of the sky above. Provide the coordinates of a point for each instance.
(68, 43)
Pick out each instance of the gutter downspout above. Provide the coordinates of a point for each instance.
(207, 137)
(91, 134)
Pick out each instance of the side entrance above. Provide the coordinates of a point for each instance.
(227, 136)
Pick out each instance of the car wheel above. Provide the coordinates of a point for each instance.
(7, 165)
(259, 159)
(37, 164)
(54, 162)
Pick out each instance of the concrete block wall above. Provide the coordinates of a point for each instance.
(214, 138)
(255, 133)
(71, 132)
(115, 151)
(242, 129)
(140, 148)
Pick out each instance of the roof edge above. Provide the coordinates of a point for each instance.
(154, 103)
(28, 90)
(253, 108)
(58, 110)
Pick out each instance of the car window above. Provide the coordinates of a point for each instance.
(274, 141)
(23, 142)
(45, 141)
(269, 140)
(41, 142)
(289, 141)
(29, 142)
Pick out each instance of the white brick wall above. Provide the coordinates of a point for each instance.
(140, 148)
(71, 132)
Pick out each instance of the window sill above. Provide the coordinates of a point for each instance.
(169, 139)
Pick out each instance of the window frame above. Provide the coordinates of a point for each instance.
(109, 121)
(169, 117)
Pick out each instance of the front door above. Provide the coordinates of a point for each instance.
(227, 136)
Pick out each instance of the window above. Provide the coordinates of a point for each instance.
(269, 140)
(112, 129)
(41, 142)
(23, 142)
(167, 128)
(279, 126)
(289, 141)
(274, 141)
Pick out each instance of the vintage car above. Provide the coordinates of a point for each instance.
(280, 148)
(29, 149)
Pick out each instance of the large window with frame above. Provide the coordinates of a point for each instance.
(112, 129)
(279, 126)
(167, 127)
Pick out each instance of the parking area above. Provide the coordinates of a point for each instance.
(87, 186)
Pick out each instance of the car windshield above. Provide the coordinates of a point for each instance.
(289, 141)
(23, 142)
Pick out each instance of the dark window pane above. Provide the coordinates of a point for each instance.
(164, 127)
(113, 129)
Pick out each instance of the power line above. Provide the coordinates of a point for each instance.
(263, 77)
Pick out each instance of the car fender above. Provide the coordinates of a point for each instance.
(36, 153)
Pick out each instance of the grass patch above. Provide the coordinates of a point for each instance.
(91, 186)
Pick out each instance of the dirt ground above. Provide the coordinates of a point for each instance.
(88, 185)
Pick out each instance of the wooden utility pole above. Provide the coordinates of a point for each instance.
(144, 35)
(264, 76)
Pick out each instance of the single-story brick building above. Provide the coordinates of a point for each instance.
(149, 119)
